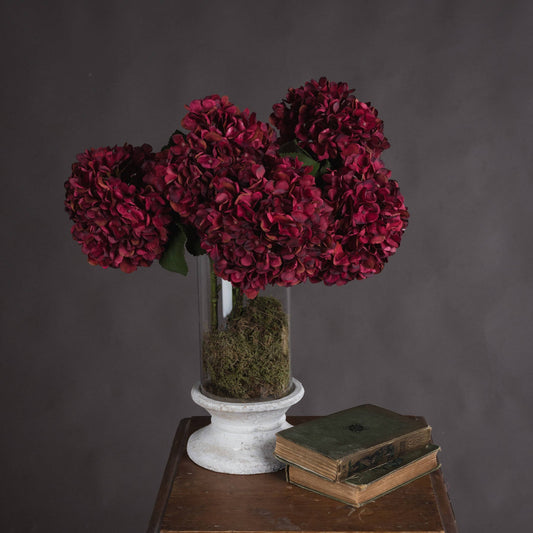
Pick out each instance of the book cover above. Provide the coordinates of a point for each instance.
(372, 483)
(342, 444)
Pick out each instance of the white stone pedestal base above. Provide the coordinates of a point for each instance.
(241, 436)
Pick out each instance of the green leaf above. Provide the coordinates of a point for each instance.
(170, 141)
(325, 166)
(173, 257)
(291, 149)
(193, 241)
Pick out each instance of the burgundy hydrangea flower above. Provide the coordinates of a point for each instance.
(326, 119)
(368, 219)
(260, 217)
(367, 212)
(119, 220)
(222, 139)
(268, 232)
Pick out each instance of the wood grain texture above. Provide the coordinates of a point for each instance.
(198, 500)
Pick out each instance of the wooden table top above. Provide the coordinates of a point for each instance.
(192, 499)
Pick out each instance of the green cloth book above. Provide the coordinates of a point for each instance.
(342, 444)
(372, 483)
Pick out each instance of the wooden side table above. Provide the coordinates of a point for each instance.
(192, 499)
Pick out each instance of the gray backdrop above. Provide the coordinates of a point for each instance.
(96, 365)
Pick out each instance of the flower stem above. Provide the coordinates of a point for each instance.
(238, 300)
(214, 297)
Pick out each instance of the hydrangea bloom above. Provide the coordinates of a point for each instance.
(221, 141)
(368, 219)
(260, 217)
(367, 211)
(325, 118)
(268, 232)
(119, 220)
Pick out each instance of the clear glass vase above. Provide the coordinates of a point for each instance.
(244, 343)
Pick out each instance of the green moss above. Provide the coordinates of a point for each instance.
(249, 359)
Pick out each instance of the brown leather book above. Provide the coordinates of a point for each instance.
(372, 483)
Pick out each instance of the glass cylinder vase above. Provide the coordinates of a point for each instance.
(244, 343)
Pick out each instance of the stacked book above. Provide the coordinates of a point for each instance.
(357, 455)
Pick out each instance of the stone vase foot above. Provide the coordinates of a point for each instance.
(241, 436)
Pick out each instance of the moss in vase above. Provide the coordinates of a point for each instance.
(249, 359)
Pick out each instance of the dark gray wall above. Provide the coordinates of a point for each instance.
(96, 365)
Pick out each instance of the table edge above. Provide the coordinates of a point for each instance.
(444, 505)
(176, 452)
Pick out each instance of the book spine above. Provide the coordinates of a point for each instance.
(379, 455)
